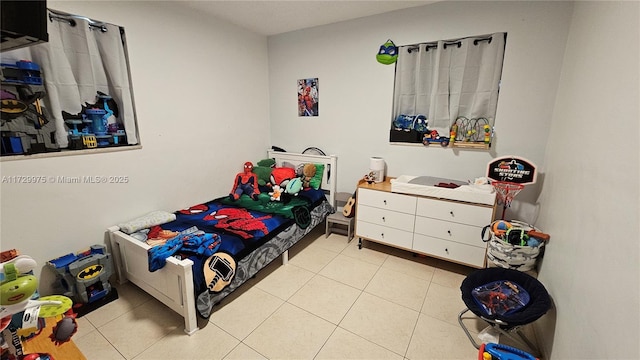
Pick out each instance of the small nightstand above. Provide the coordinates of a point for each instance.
(337, 222)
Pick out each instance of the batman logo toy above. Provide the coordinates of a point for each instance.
(90, 272)
(10, 106)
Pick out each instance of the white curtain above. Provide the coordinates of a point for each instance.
(77, 62)
(458, 78)
(414, 80)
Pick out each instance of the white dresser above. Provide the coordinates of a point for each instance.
(444, 229)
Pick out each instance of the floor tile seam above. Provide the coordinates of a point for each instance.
(363, 260)
(425, 296)
(473, 333)
(300, 288)
(340, 282)
(93, 328)
(390, 267)
(415, 325)
(310, 313)
(405, 274)
(320, 246)
(350, 306)
(114, 346)
(372, 277)
(260, 324)
(325, 342)
(262, 288)
(114, 318)
(306, 311)
(422, 309)
(393, 302)
(250, 347)
(165, 331)
(209, 323)
(370, 341)
(323, 266)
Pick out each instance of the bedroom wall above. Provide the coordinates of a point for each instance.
(197, 128)
(356, 91)
(591, 195)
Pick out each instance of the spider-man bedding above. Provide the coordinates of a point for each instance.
(229, 241)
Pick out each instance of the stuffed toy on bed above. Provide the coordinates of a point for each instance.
(246, 183)
(308, 172)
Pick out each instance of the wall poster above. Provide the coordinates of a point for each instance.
(308, 97)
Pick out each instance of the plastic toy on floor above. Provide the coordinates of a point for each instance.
(84, 277)
(18, 288)
(23, 312)
(492, 351)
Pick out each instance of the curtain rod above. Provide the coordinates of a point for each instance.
(457, 42)
(70, 19)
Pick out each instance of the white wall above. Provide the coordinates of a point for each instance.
(356, 91)
(200, 88)
(591, 194)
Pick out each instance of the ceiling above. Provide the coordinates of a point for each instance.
(269, 17)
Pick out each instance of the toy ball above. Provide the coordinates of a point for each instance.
(533, 242)
(500, 227)
(388, 53)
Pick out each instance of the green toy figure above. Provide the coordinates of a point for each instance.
(388, 53)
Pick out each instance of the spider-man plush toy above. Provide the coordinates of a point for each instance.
(246, 183)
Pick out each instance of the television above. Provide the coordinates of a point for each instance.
(23, 23)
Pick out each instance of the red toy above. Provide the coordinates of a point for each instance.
(246, 183)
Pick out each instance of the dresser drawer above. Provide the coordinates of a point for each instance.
(447, 230)
(452, 211)
(449, 250)
(383, 234)
(384, 217)
(387, 200)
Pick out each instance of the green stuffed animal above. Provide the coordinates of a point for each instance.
(263, 170)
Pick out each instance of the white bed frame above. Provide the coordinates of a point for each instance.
(173, 284)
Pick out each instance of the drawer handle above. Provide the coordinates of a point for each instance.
(446, 250)
(383, 219)
(451, 212)
(382, 235)
(384, 201)
(449, 232)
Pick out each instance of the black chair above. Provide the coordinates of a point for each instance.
(508, 324)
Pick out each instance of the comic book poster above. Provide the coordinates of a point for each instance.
(308, 97)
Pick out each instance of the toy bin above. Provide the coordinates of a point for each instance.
(511, 246)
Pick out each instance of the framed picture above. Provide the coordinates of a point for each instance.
(308, 97)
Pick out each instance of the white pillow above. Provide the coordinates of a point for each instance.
(147, 221)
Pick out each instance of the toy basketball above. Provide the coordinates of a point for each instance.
(500, 227)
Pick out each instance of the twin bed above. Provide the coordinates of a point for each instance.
(230, 241)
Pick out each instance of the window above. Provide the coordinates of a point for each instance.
(448, 86)
(71, 93)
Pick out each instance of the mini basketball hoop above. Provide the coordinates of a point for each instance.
(509, 175)
(506, 191)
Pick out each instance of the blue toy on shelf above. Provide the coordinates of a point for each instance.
(22, 72)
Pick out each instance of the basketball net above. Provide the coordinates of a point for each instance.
(506, 191)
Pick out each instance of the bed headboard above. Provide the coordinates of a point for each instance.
(329, 179)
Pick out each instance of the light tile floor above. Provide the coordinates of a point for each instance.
(332, 301)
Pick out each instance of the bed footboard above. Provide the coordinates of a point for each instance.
(172, 285)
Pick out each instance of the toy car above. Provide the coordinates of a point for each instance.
(433, 137)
